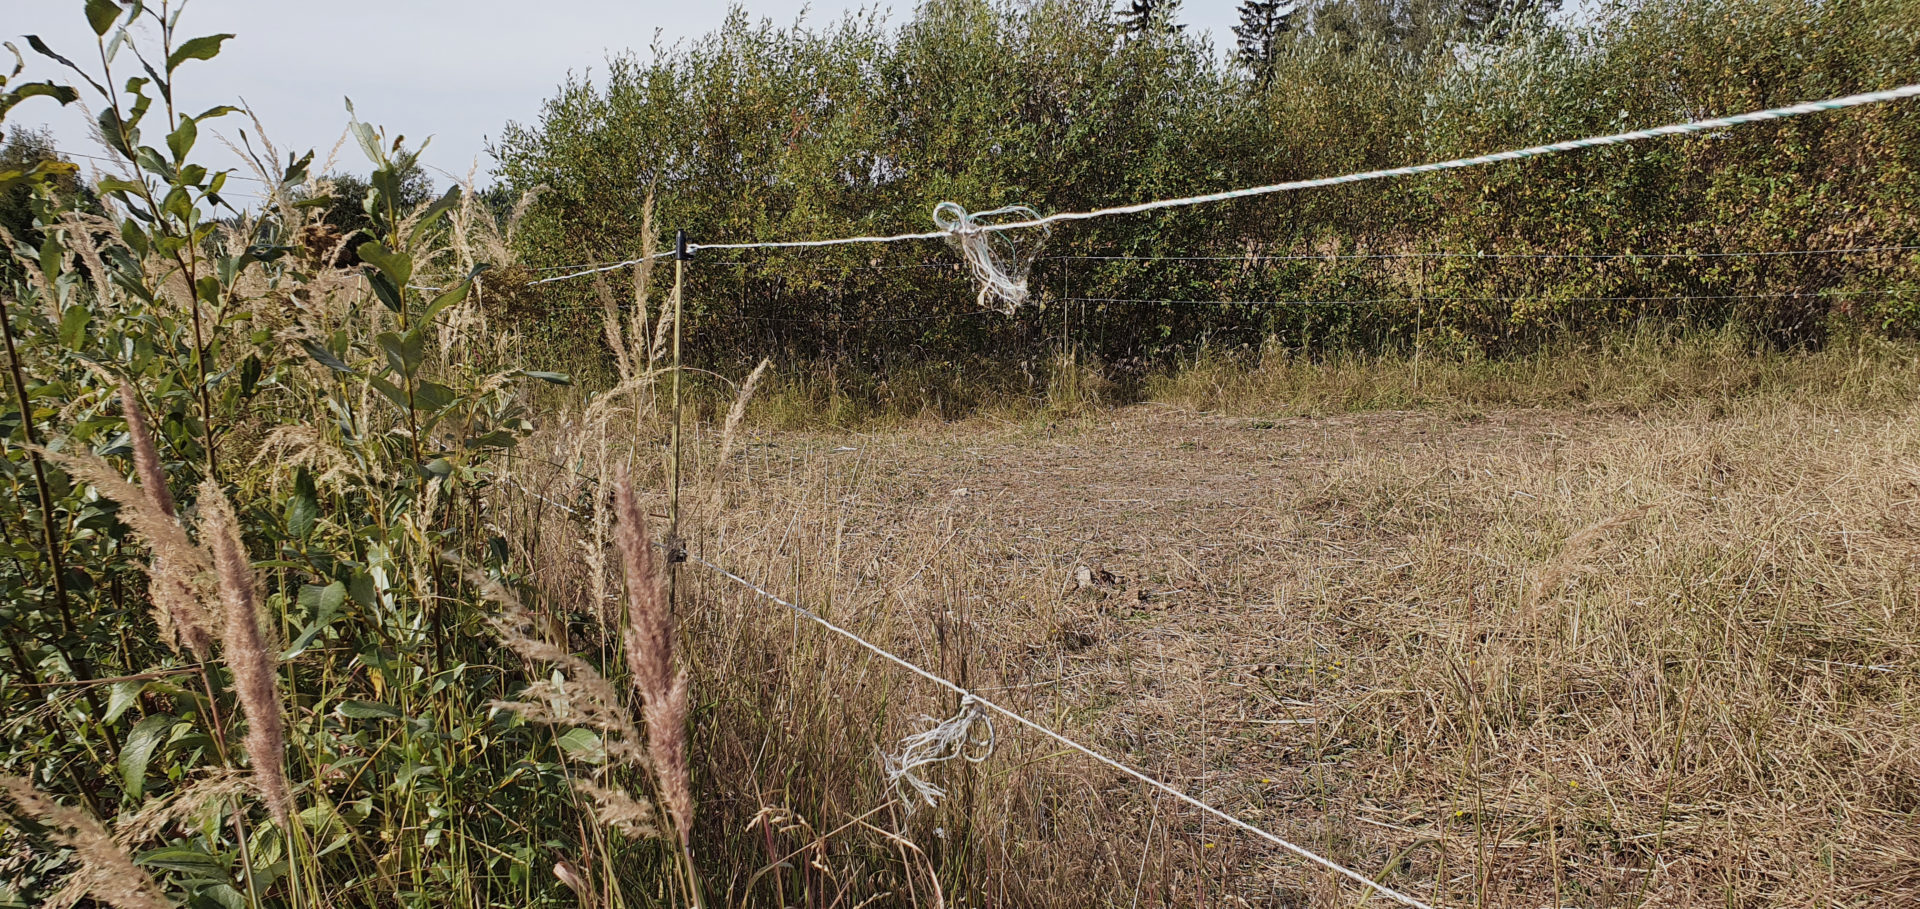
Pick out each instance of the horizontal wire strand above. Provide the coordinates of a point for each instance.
(1520, 299)
(908, 665)
(1310, 257)
(1676, 129)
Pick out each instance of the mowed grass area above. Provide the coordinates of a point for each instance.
(1654, 643)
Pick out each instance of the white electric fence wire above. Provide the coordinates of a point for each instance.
(1543, 298)
(942, 742)
(903, 663)
(1696, 126)
(594, 271)
(1318, 257)
(967, 223)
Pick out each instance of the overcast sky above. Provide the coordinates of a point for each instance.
(453, 69)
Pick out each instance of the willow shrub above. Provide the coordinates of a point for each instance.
(319, 727)
(858, 126)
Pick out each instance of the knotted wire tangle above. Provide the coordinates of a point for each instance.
(968, 735)
(998, 260)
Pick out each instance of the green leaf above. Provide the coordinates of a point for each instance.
(325, 605)
(397, 266)
(52, 254)
(303, 507)
(557, 378)
(432, 396)
(368, 710)
(73, 325)
(384, 289)
(60, 93)
(583, 745)
(41, 48)
(117, 185)
(452, 295)
(181, 140)
(434, 211)
(125, 695)
(390, 390)
(138, 750)
(225, 896)
(368, 139)
(180, 858)
(111, 128)
(324, 356)
(101, 14)
(205, 47)
(250, 375)
(404, 354)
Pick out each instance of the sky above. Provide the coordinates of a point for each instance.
(457, 70)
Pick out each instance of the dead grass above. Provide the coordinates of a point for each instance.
(1656, 647)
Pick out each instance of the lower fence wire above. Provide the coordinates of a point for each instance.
(974, 698)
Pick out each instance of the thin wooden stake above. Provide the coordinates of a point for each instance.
(675, 548)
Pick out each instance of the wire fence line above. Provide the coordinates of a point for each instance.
(589, 268)
(1547, 298)
(1675, 129)
(972, 227)
(1318, 257)
(1138, 775)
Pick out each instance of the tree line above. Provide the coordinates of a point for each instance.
(858, 125)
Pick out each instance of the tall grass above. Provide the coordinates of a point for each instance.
(304, 608)
(1501, 641)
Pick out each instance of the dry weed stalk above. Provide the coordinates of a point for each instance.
(620, 810)
(580, 697)
(106, 872)
(735, 417)
(1573, 555)
(157, 814)
(255, 680)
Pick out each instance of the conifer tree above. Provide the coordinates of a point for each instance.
(1262, 23)
(1144, 17)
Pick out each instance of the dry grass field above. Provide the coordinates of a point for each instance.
(1657, 650)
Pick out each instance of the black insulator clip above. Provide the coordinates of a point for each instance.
(682, 250)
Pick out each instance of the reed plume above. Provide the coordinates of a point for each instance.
(178, 609)
(255, 679)
(649, 651)
(106, 872)
(662, 687)
(177, 571)
(146, 452)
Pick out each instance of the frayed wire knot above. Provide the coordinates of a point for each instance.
(967, 735)
(998, 261)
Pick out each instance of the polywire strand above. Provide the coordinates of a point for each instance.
(903, 663)
(1299, 257)
(594, 271)
(1777, 113)
(1541, 298)
(589, 268)
(1308, 257)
